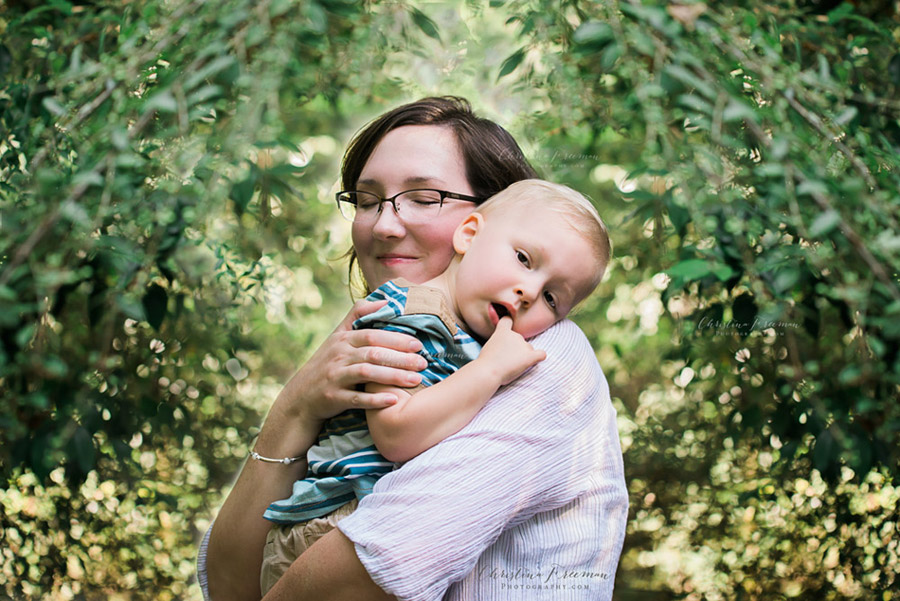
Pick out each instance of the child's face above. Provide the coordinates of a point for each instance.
(530, 265)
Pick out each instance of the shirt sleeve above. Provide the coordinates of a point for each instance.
(531, 449)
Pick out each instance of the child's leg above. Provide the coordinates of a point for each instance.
(284, 544)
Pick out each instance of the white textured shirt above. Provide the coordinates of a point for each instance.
(528, 501)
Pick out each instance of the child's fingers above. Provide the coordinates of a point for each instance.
(535, 357)
(505, 324)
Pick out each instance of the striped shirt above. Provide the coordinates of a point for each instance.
(344, 464)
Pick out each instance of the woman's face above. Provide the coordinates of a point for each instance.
(410, 157)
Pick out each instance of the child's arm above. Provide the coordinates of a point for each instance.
(419, 421)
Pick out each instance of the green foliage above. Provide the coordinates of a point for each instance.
(168, 255)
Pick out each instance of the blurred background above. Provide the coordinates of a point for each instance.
(170, 252)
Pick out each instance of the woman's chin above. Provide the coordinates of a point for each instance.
(408, 270)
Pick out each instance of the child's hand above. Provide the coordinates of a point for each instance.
(508, 353)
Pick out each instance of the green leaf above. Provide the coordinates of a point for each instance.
(593, 33)
(824, 224)
(842, 11)
(609, 56)
(53, 106)
(691, 80)
(786, 279)
(214, 66)
(424, 23)
(812, 187)
(723, 272)
(695, 102)
(119, 138)
(679, 216)
(242, 193)
(164, 102)
(511, 62)
(286, 169)
(690, 270)
(738, 110)
(202, 94)
(847, 115)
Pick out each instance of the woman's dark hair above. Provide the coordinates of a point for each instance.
(492, 158)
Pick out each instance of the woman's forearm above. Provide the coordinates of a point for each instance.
(328, 571)
(239, 534)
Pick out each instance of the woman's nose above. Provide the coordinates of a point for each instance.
(387, 223)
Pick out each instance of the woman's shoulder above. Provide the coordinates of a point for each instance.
(570, 357)
(564, 337)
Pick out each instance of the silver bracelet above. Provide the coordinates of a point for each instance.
(285, 461)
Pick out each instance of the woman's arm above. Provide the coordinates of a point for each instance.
(323, 387)
(331, 573)
(419, 421)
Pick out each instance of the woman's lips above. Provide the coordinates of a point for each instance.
(395, 259)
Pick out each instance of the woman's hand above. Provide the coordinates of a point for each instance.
(329, 381)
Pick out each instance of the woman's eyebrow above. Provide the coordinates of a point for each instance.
(423, 180)
(415, 180)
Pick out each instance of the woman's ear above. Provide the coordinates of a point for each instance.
(466, 231)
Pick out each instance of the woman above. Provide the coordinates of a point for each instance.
(528, 496)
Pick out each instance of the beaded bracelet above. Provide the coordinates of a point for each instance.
(285, 461)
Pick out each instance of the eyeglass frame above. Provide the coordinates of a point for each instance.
(444, 194)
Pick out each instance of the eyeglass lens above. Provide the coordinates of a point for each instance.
(411, 206)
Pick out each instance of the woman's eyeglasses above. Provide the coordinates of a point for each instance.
(412, 206)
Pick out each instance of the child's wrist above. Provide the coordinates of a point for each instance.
(487, 372)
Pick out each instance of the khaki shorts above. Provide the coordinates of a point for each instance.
(284, 544)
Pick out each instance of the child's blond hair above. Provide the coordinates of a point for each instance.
(577, 210)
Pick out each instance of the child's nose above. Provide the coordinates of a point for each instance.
(526, 293)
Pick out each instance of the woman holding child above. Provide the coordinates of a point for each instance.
(527, 501)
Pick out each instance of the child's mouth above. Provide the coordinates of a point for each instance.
(500, 310)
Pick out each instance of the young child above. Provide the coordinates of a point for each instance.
(523, 260)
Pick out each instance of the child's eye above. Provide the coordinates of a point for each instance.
(522, 257)
(550, 300)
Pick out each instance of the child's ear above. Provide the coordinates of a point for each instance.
(465, 232)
